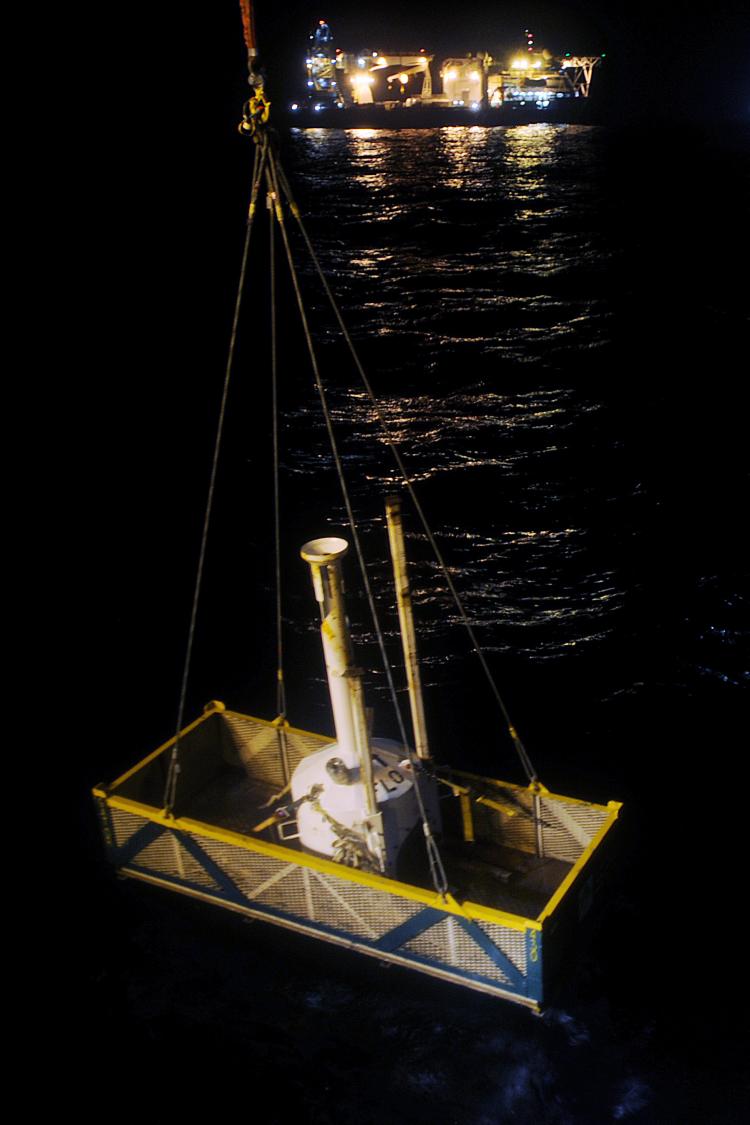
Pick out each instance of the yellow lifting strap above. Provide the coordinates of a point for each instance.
(272, 800)
(466, 796)
(467, 820)
(265, 824)
(465, 791)
(507, 809)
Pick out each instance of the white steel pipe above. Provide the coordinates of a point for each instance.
(344, 681)
(406, 619)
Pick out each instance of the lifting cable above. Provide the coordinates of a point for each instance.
(436, 864)
(255, 116)
(170, 788)
(265, 165)
(281, 717)
(515, 738)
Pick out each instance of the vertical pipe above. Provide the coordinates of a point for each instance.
(406, 619)
(324, 557)
(363, 739)
(344, 680)
(374, 826)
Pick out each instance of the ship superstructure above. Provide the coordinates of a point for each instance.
(341, 79)
(529, 77)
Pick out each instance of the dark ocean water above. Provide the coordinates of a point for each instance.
(554, 320)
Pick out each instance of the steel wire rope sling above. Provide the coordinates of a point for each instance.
(173, 770)
(255, 114)
(281, 721)
(437, 869)
(513, 733)
(255, 118)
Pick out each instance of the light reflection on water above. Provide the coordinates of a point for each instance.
(464, 239)
(526, 573)
(469, 262)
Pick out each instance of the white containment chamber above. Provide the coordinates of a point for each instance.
(354, 800)
(335, 816)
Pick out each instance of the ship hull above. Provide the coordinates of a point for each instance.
(568, 111)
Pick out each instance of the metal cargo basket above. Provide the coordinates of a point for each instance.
(508, 939)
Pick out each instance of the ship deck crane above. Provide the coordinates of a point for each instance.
(364, 67)
(584, 69)
(403, 76)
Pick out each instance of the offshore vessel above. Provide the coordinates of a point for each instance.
(358, 841)
(408, 89)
